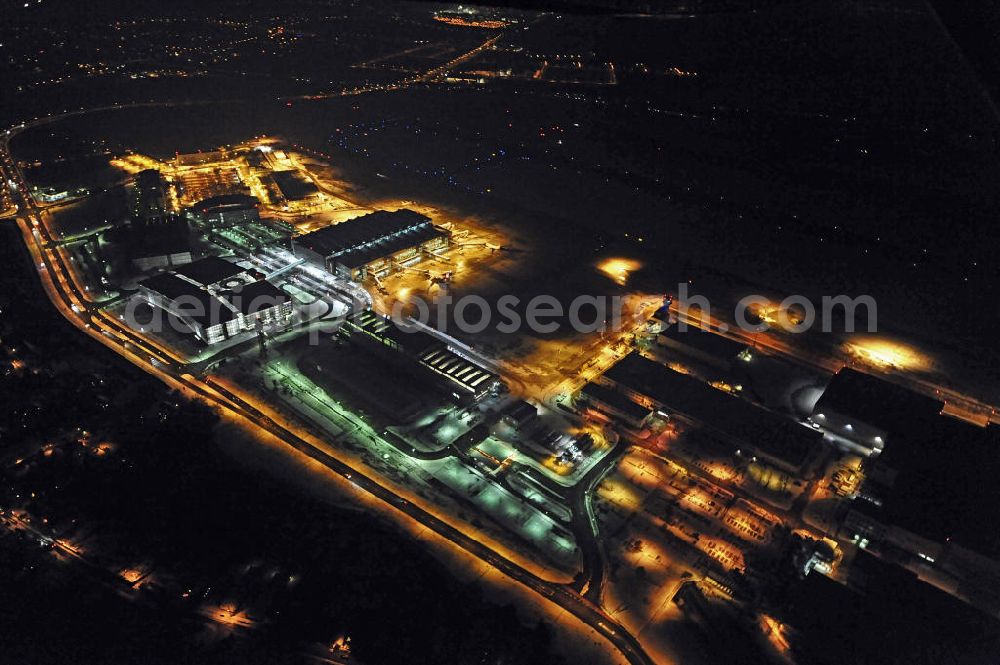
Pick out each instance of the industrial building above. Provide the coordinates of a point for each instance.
(213, 273)
(927, 483)
(257, 161)
(51, 194)
(253, 237)
(708, 347)
(613, 403)
(217, 299)
(209, 318)
(924, 496)
(199, 184)
(867, 410)
(432, 358)
(226, 210)
(260, 304)
(375, 244)
(748, 428)
(877, 608)
(156, 242)
(534, 437)
(520, 414)
(200, 158)
(292, 186)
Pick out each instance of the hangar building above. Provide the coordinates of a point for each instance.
(375, 244)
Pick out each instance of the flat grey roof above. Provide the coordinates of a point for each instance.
(427, 349)
(411, 340)
(157, 237)
(521, 410)
(465, 373)
(292, 185)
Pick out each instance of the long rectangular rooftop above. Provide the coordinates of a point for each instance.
(730, 416)
(412, 340)
(226, 202)
(709, 343)
(366, 232)
(614, 399)
(355, 258)
(427, 350)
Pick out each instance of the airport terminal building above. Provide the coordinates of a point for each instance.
(376, 244)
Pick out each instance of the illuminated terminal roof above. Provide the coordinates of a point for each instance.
(360, 240)
(735, 419)
(356, 258)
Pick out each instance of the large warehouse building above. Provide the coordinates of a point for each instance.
(708, 347)
(292, 186)
(217, 299)
(782, 442)
(156, 242)
(430, 357)
(226, 210)
(211, 319)
(868, 410)
(375, 244)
